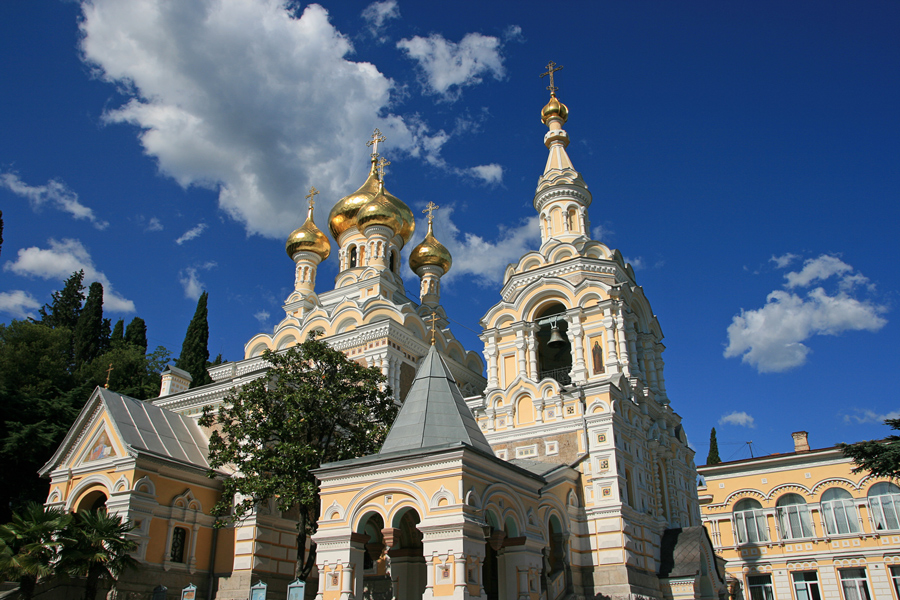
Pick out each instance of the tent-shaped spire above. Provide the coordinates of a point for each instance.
(434, 413)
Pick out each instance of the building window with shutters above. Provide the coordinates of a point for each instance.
(854, 584)
(760, 587)
(179, 537)
(806, 585)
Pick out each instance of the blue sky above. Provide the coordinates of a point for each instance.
(743, 156)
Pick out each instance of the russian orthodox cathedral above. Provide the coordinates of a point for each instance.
(562, 473)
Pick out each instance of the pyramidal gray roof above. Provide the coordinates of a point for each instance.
(434, 413)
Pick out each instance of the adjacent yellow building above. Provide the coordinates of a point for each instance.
(802, 526)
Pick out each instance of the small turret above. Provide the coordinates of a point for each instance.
(430, 260)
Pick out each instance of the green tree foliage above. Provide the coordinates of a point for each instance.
(315, 406)
(879, 457)
(36, 408)
(194, 350)
(96, 545)
(29, 546)
(89, 328)
(136, 334)
(713, 457)
(133, 373)
(65, 305)
(118, 333)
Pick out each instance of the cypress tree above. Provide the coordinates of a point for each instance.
(118, 332)
(713, 458)
(194, 350)
(65, 305)
(89, 328)
(136, 334)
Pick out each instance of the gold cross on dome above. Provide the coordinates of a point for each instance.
(376, 137)
(311, 196)
(433, 319)
(430, 208)
(551, 69)
(381, 165)
(108, 371)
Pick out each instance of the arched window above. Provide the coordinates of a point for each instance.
(391, 262)
(793, 517)
(839, 512)
(750, 522)
(351, 263)
(884, 504)
(176, 552)
(554, 351)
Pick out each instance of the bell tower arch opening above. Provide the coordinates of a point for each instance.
(554, 350)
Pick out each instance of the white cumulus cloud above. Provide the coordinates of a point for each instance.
(241, 97)
(866, 415)
(447, 67)
(189, 278)
(191, 233)
(154, 225)
(491, 174)
(737, 418)
(475, 256)
(784, 260)
(378, 14)
(771, 338)
(262, 316)
(19, 304)
(55, 193)
(62, 259)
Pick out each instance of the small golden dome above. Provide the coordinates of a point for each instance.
(430, 253)
(409, 221)
(380, 210)
(343, 214)
(308, 238)
(554, 108)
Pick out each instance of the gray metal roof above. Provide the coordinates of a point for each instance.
(536, 466)
(149, 429)
(434, 413)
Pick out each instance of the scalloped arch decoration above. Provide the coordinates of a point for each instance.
(334, 512)
(145, 485)
(831, 482)
(441, 498)
(743, 493)
(472, 498)
(54, 497)
(286, 341)
(121, 484)
(571, 500)
(258, 349)
(788, 488)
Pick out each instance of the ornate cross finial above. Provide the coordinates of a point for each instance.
(311, 196)
(376, 137)
(430, 208)
(551, 69)
(108, 371)
(381, 165)
(433, 318)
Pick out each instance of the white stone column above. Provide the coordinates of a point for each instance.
(650, 365)
(531, 343)
(490, 354)
(660, 379)
(520, 350)
(623, 340)
(429, 576)
(576, 342)
(612, 356)
(632, 346)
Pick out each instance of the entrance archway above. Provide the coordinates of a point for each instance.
(554, 351)
(92, 500)
(408, 570)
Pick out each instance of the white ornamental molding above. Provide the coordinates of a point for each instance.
(562, 192)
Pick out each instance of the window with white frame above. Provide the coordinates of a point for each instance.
(895, 577)
(884, 504)
(839, 512)
(793, 517)
(854, 584)
(750, 522)
(806, 585)
(760, 587)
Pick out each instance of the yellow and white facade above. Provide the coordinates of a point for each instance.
(802, 526)
(565, 473)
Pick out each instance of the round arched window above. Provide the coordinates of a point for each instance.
(750, 522)
(793, 517)
(839, 512)
(884, 505)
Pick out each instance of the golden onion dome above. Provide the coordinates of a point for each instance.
(430, 253)
(343, 214)
(554, 108)
(409, 221)
(308, 238)
(379, 211)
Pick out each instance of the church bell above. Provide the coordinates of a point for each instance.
(556, 338)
